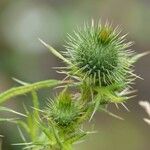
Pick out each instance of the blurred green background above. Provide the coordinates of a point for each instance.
(22, 56)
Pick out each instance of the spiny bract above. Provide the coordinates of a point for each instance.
(100, 55)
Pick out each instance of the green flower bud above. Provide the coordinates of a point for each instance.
(64, 111)
(100, 55)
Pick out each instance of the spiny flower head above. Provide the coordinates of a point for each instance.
(100, 55)
(64, 111)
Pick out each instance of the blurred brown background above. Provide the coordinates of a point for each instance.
(22, 56)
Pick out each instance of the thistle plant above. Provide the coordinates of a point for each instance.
(100, 69)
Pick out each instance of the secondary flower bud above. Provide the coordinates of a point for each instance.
(64, 111)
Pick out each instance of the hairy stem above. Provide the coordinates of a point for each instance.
(27, 88)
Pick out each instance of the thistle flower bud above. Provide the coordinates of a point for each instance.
(100, 55)
(64, 111)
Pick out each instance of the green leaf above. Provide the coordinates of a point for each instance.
(27, 88)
